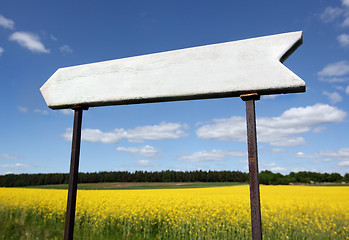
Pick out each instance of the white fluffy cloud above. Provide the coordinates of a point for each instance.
(332, 13)
(145, 151)
(341, 156)
(278, 169)
(271, 166)
(284, 130)
(139, 134)
(343, 40)
(345, 3)
(335, 72)
(67, 111)
(303, 155)
(157, 132)
(1, 50)
(347, 90)
(211, 156)
(334, 97)
(29, 41)
(225, 129)
(335, 69)
(6, 23)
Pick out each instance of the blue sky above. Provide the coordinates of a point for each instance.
(296, 132)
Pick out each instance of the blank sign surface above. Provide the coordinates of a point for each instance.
(219, 70)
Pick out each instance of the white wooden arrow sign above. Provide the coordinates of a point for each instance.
(220, 70)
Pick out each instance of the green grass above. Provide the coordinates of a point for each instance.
(26, 224)
(32, 223)
(140, 185)
(20, 224)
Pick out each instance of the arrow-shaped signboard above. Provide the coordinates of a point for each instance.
(246, 68)
(220, 70)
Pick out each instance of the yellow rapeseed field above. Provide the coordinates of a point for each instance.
(288, 212)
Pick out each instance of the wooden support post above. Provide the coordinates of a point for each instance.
(73, 174)
(253, 164)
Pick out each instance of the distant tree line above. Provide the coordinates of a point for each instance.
(269, 178)
(265, 177)
(20, 180)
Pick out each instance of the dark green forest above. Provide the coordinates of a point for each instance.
(265, 177)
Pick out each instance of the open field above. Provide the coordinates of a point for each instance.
(159, 185)
(288, 212)
(141, 185)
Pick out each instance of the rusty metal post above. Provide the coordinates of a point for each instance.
(253, 164)
(73, 174)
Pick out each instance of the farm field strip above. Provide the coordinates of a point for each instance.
(140, 185)
(288, 212)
